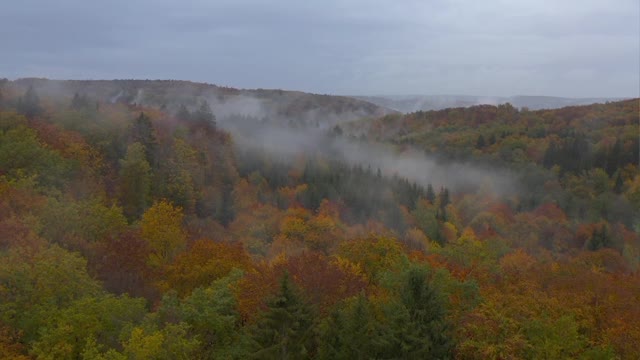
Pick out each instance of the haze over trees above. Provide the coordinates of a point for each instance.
(147, 230)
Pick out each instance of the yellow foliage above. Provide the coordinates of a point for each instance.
(161, 227)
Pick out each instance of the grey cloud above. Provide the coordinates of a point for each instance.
(495, 47)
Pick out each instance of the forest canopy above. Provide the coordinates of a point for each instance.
(133, 231)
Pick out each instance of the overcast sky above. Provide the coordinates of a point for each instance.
(576, 48)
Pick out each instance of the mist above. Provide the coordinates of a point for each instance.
(285, 139)
(283, 125)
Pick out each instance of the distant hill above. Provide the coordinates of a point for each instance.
(303, 108)
(411, 103)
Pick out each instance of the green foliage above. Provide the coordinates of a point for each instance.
(210, 312)
(143, 132)
(22, 154)
(285, 330)
(555, 260)
(101, 319)
(350, 332)
(135, 181)
(204, 114)
(67, 220)
(426, 217)
(34, 286)
(416, 326)
(169, 343)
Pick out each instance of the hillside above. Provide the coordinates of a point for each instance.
(278, 105)
(413, 103)
(134, 232)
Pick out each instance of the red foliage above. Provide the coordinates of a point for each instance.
(121, 263)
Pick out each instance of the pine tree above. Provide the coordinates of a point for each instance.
(599, 239)
(350, 332)
(427, 314)
(431, 195)
(135, 181)
(416, 327)
(443, 198)
(204, 114)
(286, 329)
(613, 158)
(183, 113)
(79, 102)
(142, 132)
(619, 184)
(29, 103)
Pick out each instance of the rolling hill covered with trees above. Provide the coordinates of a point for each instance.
(145, 230)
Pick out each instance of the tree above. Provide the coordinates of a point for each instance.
(35, 285)
(135, 181)
(23, 154)
(161, 227)
(324, 282)
(102, 318)
(121, 263)
(10, 346)
(29, 103)
(183, 113)
(431, 195)
(172, 342)
(204, 114)
(619, 184)
(211, 312)
(143, 132)
(599, 238)
(286, 328)
(429, 331)
(374, 255)
(204, 262)
(80, 102)
(350, 332)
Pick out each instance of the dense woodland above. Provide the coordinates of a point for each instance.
(131, 232)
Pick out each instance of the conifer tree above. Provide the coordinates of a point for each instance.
(29, 103)
(431, 195)
(350, 333)
(286, 329)
(135, 181)
(416, 327)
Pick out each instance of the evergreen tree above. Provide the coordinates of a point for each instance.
(286, 329)
(350, 333)
(29, 103)
(443, 198)
(480, 143)
(619, 184)
(599, 239)
(613, 158)
(183, 113)
(431, 195)
(135, 181)
(416, 327)
(204, 114)
(550, 156)
(79, 102)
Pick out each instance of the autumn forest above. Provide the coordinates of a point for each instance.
(146, 220)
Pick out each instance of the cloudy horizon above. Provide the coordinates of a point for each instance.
(494, 48)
